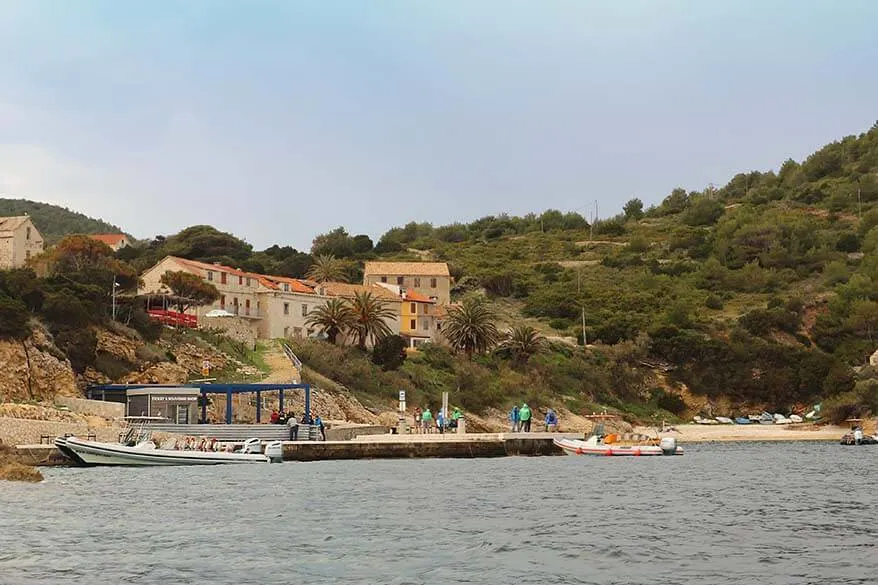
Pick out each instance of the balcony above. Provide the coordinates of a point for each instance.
(242, 311)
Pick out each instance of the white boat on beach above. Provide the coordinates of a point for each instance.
(595, 445)
(145, 452)
(725, 420)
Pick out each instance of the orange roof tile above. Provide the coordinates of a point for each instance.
(416, 297)
(108, 239)
(267, 280)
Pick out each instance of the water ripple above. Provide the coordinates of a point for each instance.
(785, 514)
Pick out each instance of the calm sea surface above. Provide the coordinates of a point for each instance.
(723, 513)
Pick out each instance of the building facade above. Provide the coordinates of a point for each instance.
(419, 321)
(430, 279)
(115, 241)
(19, 241)
(272, 306)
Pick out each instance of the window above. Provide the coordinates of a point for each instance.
(248, 281)
(222, 300)
(223, 278)
(286, 287)
(209, 275)
(240, 280)
(426, 325)
(383, 279)
(417, 283)
(432, 283)
(27, 237)
(286, 331)
(286, 308)
(414, 309)
(426, 309)
(399, 280)
(247, 307)
(413, 324)
(304, 310)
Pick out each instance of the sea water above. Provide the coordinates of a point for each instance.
(785, 513)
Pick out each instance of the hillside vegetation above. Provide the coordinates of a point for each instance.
(760, 294)
(53, 221)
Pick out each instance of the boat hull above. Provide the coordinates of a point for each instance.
(576, 447)
(95, 453)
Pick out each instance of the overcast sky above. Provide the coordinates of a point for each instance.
(280, 120)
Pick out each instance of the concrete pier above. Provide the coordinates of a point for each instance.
(383, 447)
(423, 446)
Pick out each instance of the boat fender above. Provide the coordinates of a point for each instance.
(668, 445)
(608, 452)
(579, 450)
(637, 451)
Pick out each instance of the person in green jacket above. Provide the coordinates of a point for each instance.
(456, 415)
(427, 419)
(524, 415)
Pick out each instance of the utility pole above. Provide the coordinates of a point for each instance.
(115, 284)
(584, 339)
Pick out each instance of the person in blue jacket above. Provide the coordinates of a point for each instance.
(551, 421)
(514, 418)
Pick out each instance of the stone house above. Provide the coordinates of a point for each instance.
(115, 241)
(19, 241)
(430, 279)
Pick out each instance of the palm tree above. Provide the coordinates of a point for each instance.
(369, 315)
(470, 327)
(327, 268)
(523, 342)
(333, 318)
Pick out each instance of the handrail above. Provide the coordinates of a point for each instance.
(291, 356)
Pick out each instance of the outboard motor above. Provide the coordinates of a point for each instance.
(668, 445)
(252, 446)
(275, 452)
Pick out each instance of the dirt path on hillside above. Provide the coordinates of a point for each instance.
(282, 369)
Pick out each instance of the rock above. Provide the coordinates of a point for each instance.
(13, 471)
(34, 369)
(117, 345)
(161, 373)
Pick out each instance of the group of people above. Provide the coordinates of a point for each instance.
(425, 422)
(289, 419)
(521, 417)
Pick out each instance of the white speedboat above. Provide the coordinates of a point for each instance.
(144, 452)
(595, 445)
(725, 420)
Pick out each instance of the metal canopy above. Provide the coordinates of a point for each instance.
(205, 389)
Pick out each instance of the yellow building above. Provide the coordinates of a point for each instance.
(419, 321)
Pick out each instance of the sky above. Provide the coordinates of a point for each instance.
(280, 120)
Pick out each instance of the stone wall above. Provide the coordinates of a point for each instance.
(237, 328)
(17, 431)
(108, 410)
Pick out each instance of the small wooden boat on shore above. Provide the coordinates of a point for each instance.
(596, 445)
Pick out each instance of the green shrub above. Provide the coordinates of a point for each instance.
(13, 319)
(389, 353)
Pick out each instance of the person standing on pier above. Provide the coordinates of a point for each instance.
(427, 419)
(418, 420)
(514, 418)
(524, 414)
(294, 426)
